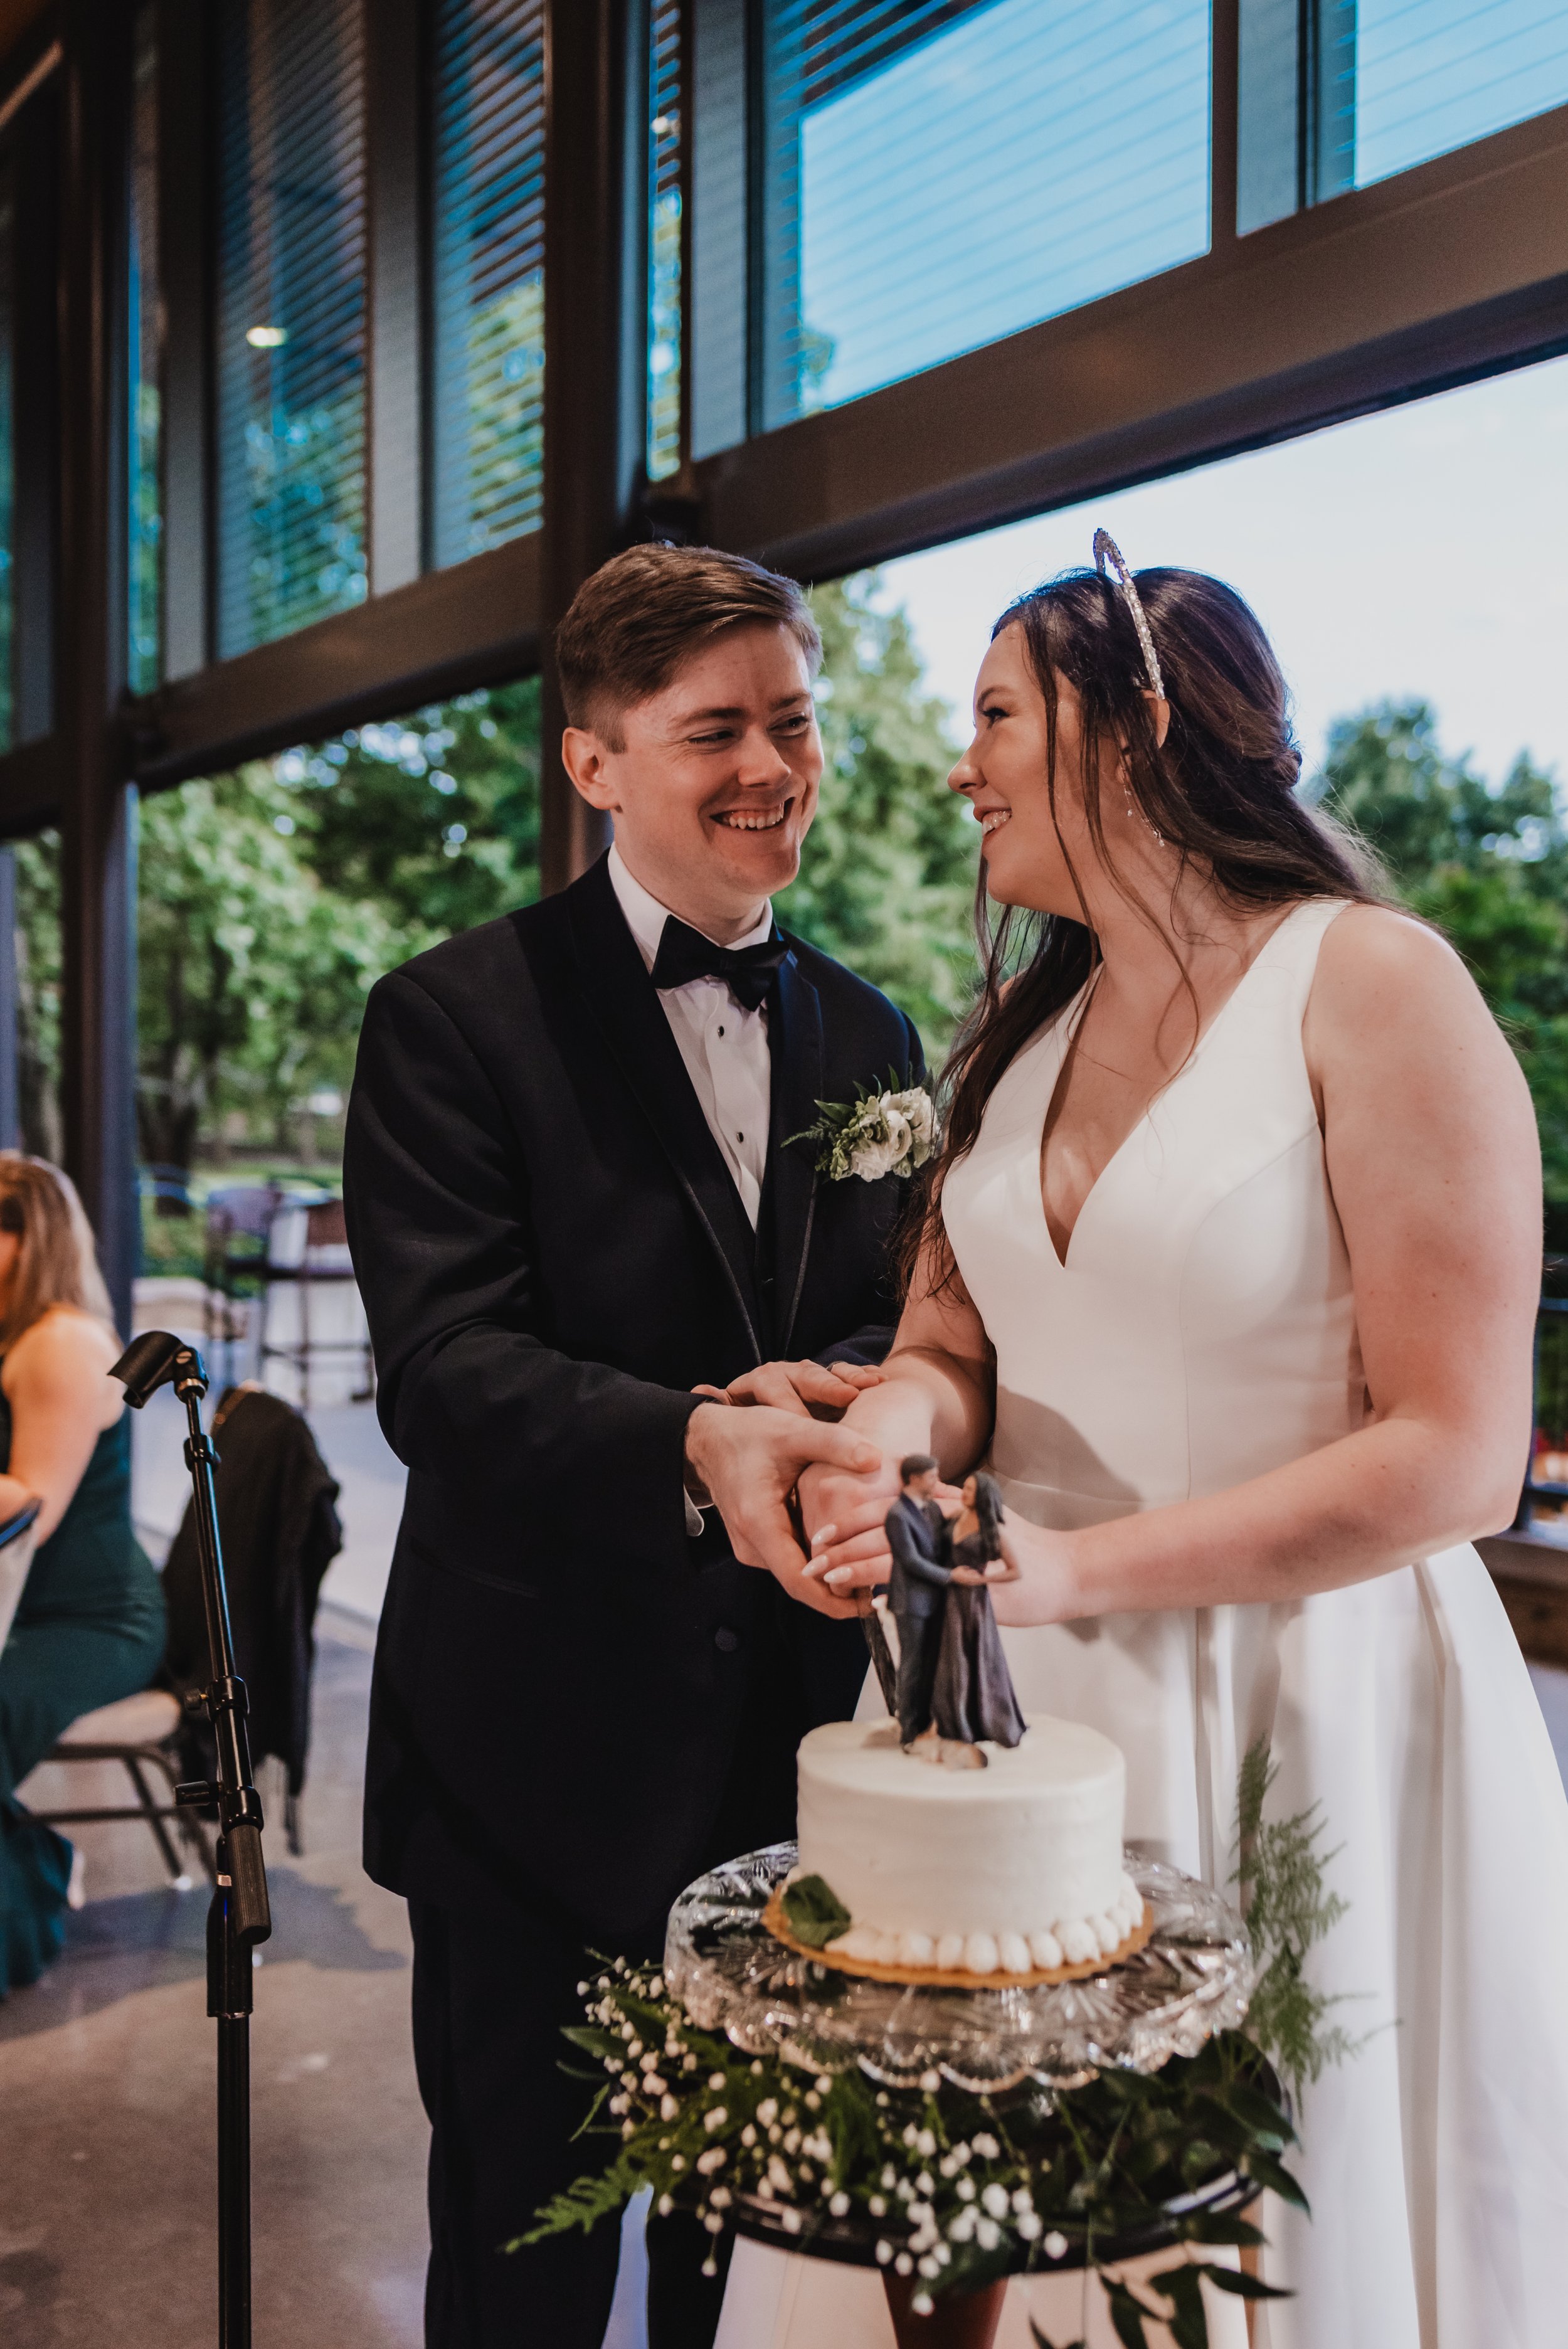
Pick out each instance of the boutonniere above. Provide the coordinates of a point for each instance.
(876, 1133)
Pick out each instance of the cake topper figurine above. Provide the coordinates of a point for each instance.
(954, 1687)
(973, 1696)
(917, 1590)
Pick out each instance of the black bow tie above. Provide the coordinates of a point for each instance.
(748, 971)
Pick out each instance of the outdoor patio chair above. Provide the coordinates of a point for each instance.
(239, 1224)
(307, 1247)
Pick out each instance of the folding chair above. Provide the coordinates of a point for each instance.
(142, 1734)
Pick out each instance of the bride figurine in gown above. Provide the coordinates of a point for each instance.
(1229, 1275)
(973, 1699)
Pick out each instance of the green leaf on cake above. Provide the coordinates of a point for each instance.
(813, 1912)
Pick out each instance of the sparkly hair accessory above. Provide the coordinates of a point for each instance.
(1107, 553)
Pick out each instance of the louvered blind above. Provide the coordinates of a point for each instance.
(489, 273)
(7, 455)
(939, 176)
(144, 519)
(290, 315)
(1431, 75)
(667, 134)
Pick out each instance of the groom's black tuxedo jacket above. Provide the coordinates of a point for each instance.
(575, 1702)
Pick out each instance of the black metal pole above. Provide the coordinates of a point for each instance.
(240, 1916)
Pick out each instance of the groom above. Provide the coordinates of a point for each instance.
(570, 1204)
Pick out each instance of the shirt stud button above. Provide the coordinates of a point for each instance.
(725, 1640)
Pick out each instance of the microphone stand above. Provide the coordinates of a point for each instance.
(240, 1916)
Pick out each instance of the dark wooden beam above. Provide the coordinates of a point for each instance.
(591, 446)
(475, 624)
(30, 789)
(1447, 271)
(98, 877)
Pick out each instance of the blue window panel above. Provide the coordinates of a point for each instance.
(489, 270)
(144, 501)
(1432, 75)
(666, 104)
(927, 195)
(290, 315)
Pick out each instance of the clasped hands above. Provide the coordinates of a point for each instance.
(768, 1453)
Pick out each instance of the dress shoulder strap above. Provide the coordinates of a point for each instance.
(1292, 953)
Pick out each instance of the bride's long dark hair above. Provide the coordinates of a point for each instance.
(1222, 789)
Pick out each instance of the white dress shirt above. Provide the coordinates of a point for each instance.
(724, 1045)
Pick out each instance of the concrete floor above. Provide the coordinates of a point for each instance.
(107, 2094)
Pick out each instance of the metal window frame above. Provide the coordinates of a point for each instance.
(1453, 270)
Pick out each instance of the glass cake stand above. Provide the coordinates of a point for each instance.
(1193, 1977)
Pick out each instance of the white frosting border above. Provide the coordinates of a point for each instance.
(1071, 1941)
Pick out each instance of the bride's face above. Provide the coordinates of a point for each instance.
(1004, 774)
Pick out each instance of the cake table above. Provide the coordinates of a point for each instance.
(1192, 1979)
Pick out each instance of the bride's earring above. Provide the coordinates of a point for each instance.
(1136, 815)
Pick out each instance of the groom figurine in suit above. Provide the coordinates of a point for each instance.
(917, 1588)
(570, 1204)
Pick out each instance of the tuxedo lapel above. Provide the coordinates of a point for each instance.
(795, 1037)
(625, 1004)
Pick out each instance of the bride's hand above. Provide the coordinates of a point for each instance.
(828, 1498)
(1037, 1583)
(848, 1527)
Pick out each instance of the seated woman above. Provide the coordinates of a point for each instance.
(88, 1628)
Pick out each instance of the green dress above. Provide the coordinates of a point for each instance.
(90, 1630)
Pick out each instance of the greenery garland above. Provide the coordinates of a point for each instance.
(957, 2188)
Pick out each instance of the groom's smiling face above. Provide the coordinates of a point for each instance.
(711, 781)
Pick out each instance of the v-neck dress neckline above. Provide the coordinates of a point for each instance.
(1063, 1033)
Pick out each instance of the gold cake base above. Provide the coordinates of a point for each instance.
(956, 1977)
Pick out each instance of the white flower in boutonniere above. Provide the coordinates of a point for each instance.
(877, 1133)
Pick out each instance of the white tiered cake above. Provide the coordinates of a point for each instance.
(1011, 1870)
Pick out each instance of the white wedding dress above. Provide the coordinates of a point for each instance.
(1202, 1331)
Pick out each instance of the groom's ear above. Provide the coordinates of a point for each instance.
(585, 758)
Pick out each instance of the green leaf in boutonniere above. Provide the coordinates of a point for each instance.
(813, 1912)
(877, 1133)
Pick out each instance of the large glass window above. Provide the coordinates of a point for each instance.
(1335, 94)
(666, 145)
(939, 176)
(1435, 74)
(489, 252)
(291, 315)
(36, 942)
(144, 516)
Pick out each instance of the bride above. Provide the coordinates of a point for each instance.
(1228, 1272)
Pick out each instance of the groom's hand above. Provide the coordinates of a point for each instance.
(845, 1517)
(811, 1390)
(748, 1463)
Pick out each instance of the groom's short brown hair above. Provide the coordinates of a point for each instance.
(641, 614)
